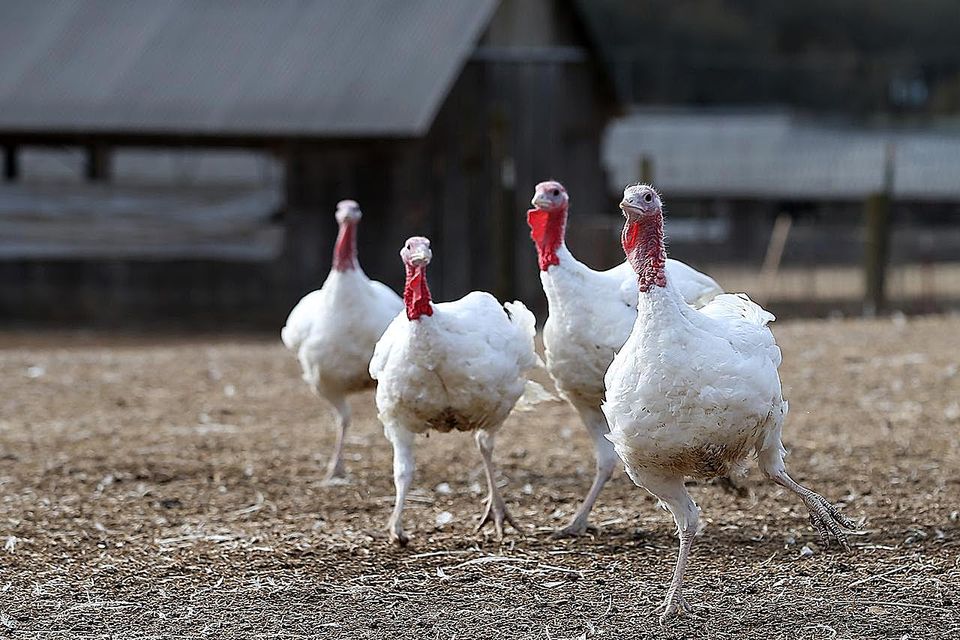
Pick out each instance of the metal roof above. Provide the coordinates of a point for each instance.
(284, 67)
(774, 155)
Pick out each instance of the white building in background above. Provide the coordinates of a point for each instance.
(759, 155)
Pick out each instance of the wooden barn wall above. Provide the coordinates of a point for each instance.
(542, 119)
(195, 293)
(207, 293)
(396, 185)
(505, 127)
(557, 126)
(318, 176)
(176, 294)
(460, 187)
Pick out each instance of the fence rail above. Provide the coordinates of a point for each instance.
(822, 267)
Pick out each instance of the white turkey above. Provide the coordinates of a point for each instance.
(591, 314)
(453, 366)
(693, 393)
(333, 330)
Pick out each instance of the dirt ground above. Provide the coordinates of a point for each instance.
(162, 487)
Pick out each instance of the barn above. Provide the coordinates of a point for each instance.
(173, 162)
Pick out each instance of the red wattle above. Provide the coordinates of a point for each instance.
(547, 230)
(630, 238)
(643, 244)
(345, 251)
(416, 294)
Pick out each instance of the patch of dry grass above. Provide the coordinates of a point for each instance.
(170, 488)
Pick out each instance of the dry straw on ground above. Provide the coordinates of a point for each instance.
(171, 488)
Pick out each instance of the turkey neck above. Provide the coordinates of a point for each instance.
(345, 251)
(643, 243)
(547, 229)
(416, 293)
(660, 309)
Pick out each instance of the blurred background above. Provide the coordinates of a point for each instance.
(177, 163)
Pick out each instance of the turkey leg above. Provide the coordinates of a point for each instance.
(496, 510)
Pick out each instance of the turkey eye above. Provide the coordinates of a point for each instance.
(556, 192)
(648, 198)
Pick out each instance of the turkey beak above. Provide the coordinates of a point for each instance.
(541, 201)
(348, 216)
(627, 207)
(421, 256)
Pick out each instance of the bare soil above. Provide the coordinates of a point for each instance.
(164, 487)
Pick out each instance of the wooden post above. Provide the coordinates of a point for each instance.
(98, 163)
(508, 268)
(11, 164)
(645, 169)
(308, 178)
(771, 262)
(877, 240)
(928, 285)
(503, 203)
(877, 222)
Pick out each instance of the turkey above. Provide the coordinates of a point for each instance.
(333, 330)
(450, 366)
(581, 339)
(692, 392)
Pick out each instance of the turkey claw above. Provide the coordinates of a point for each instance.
(573, 530)
(496, 512)
(335, 481)
(397, 534)
(675, 606)
(828, 521)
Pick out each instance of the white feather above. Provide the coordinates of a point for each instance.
(591, 316)
(461, 368)
(694, 391)
(333, 330)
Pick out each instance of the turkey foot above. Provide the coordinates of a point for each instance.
(577, 527)
(825, 517)
(828, 520)
(496, 512)
(675, 606)
(335, 471)
(397, 534)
